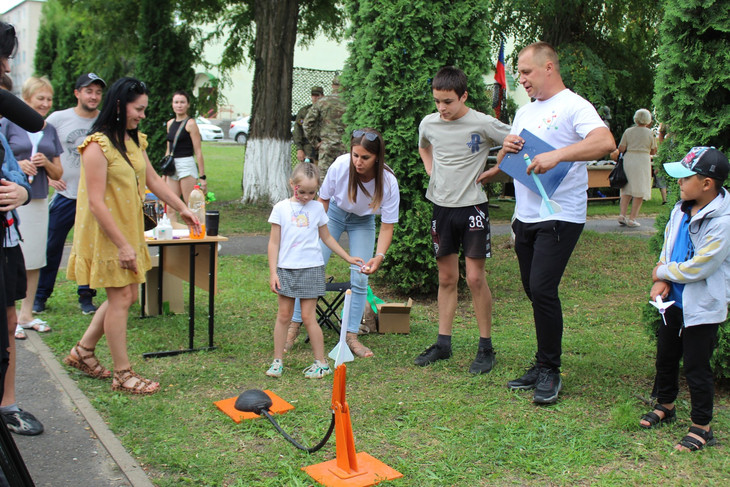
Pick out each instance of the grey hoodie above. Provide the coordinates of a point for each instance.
(706, 276)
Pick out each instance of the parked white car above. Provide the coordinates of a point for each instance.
(208, 131)
(239, 130)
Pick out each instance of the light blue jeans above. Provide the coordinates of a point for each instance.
(361, 232)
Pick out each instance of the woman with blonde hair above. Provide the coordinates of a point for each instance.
(38, 155)
(637, 145)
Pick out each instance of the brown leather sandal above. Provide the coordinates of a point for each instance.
(356, 347)
(86, 363)
(141, 386)
(292, 335)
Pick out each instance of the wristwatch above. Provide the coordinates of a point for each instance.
(203, 177)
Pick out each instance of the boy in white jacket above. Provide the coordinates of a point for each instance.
(693, 271)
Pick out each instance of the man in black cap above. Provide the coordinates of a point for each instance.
(305, 150)
(72, 125)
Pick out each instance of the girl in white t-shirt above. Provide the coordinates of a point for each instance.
(296, 264)
(357, 187)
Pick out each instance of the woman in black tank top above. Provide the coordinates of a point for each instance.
(189, 165)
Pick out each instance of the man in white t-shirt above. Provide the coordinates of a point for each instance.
(544, 244)
(454, 144)
(72, 126)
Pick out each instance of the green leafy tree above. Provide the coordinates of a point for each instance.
(164, 63)
(397, 47)
(692, 96)
(265, 32)
(69, 43)
(607, 49)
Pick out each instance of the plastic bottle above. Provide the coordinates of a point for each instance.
(164, 228)
(196, 203)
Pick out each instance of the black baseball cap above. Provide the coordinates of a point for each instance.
(705, 161)
(88, 78)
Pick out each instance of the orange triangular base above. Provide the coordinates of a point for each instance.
(371, 471)
(227, 406)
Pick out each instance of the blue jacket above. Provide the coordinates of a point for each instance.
(13, 173)
(706, 276)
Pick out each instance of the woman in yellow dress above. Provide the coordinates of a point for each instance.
(109, 248)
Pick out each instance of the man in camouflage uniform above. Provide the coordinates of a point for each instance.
(304, 147)
(323, 127)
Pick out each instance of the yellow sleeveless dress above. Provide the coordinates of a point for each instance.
(94, 258)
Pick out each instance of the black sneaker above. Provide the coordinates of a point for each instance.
(432, 354)
(548, 386)
(39, 306)
(22, 423)
(87, 306)
(525, 382)
(484, 361)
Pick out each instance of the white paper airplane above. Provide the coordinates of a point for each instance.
(661, 306)
(342, 353)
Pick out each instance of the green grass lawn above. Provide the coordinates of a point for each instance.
(224, 168)
(437, 425)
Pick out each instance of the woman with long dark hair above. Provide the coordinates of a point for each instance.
(109, 248)
(358, 186)
(189, 165)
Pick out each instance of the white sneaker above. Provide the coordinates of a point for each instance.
(276, 369)
(317, 370)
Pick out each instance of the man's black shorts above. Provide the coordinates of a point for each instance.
(468, 226)
(14, 274)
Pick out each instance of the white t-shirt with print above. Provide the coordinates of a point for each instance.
(336, 188)
(562, 120)
(299, 245)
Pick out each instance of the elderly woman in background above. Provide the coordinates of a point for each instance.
(637, 144)
(39, 158)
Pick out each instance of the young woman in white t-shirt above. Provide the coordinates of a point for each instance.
(296, 264)
(357, 187)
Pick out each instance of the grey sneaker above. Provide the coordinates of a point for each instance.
(22, 423)
(548, 386)
(527, 381)
(484, 362)
(39, 306)
(432, 354)
(87, 306)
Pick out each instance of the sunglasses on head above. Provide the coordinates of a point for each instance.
(371, 136)
(138, 86)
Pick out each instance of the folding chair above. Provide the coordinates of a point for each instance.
(327, 314)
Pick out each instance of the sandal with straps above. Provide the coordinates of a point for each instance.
(141, 386)
(356, 347)
(654, 420)
(88, 364)
(693, 444)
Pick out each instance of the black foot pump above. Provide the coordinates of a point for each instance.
(256, 401)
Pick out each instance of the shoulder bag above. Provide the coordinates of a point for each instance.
(167, 164)
(617, 179)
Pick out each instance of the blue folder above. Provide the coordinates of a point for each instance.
(514, 165)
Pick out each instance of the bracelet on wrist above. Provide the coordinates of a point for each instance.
(381, 255)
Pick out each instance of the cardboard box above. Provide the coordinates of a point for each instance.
(172, 291)
(394, 317)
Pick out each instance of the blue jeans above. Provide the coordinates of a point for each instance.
(361, 232)
(61, 216)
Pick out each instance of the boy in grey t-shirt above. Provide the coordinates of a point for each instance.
(454, 144)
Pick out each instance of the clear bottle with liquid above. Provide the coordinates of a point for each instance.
(196, 203)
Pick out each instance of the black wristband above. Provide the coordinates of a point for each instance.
(203, 177)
